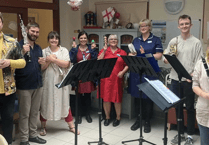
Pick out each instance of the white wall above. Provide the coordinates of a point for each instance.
(69, 21)
(158, 12)
(194, 8)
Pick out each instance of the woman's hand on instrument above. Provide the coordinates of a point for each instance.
(74, 44)
(51, 58)
(105, 43)
(142, 50)
(93, 45)
(132, 54)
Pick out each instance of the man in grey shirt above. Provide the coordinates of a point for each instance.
(188, 51)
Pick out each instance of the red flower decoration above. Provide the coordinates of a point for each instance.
(117, 15)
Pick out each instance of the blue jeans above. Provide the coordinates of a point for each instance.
(6, 112)
(188, 93)
(204, 134)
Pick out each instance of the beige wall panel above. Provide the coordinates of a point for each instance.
(45, 19)
(69, 21)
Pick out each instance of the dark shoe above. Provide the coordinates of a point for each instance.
(88, 119)
(116, 122)
(79, 119)
(37, 140)
(106, 122)
(24, 143)
(147, 127)
(136, 125)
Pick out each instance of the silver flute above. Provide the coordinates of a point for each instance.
(24, 34)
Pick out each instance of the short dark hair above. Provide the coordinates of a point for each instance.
(81, 33)
(32, 24)
(1, 17)
(185, 17)
(53, 34)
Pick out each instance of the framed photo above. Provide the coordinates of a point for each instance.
(32, 17)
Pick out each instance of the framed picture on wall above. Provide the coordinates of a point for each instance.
(32, 17)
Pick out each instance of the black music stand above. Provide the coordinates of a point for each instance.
(101, 69)
(160, 101)
(139, 65)
(181, 71)
(74, 75)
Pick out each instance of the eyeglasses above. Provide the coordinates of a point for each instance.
(113, 39)
(143, 26)
(182, 24)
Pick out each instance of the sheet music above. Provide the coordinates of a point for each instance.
(169, 96)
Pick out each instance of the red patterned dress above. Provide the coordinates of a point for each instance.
(112, 87)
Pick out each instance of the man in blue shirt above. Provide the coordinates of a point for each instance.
(28, 80)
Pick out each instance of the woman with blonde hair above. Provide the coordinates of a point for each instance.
(145, 44)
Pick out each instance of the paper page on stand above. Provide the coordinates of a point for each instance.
(169, 96)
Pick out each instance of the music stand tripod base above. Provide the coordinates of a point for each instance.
(99, 143)
(140, 66)
(101, 69)
(141, 140)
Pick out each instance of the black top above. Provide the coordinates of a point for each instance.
(30, 77)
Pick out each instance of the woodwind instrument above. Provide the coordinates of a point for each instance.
(173, 48)
(24, 34)
(205, 66)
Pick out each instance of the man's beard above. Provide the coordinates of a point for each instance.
(31, 38)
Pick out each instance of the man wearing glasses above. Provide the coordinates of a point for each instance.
(188, 51)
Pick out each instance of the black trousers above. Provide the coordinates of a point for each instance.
(187, 92)
(6, 112)
(147, 108)
(84, 104)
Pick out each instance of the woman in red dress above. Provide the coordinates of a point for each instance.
(112, 87)
(83, 51)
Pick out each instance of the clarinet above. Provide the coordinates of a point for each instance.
(205, 66)
(24, 34)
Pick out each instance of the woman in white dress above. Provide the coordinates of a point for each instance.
(55, 102)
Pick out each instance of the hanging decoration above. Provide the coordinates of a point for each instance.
(75, 4)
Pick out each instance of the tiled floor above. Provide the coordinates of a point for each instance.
(58, 133)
